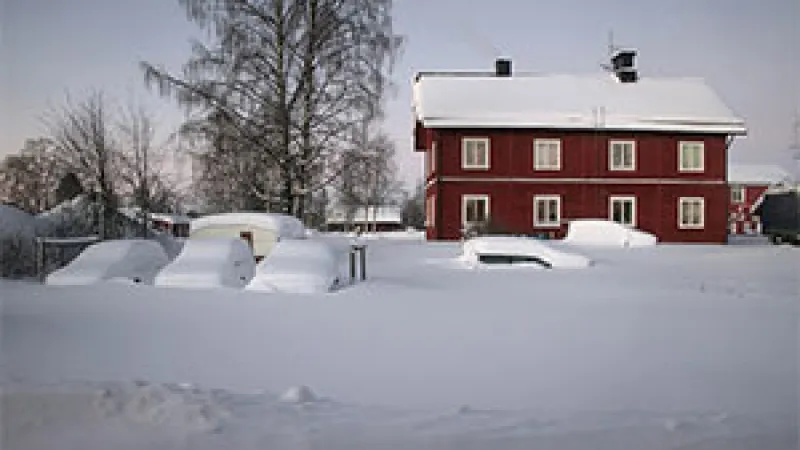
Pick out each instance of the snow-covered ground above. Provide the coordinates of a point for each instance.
(666, 347)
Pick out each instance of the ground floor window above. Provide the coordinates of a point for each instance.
(474, 209)
(691, 213)
(547, 211)
(622, 209)
(430, 211)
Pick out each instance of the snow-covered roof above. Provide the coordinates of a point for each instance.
(758, 174)
(572, 102)
(285, 226)
(376, 214)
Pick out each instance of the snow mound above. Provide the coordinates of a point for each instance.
(127, 260)
(16, 222)
(522, 249)
(210, 263)
(608, 234)
(300, 267)
(299, 395)
(161, 405)
(283, 225)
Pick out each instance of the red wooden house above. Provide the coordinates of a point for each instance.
(747, 183)
(527, 153)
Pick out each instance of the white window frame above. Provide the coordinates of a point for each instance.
(742, 190)
(542, 144)
(691, 226)
(546, 198)
(430, 211)
(623, 198)
(625, 145)
(683, 165)
(465, 149)
(472, 197)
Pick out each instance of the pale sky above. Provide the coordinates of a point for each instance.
(748, 51)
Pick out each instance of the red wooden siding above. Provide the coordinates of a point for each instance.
(584, 181)
(583, 154)
(740, 220)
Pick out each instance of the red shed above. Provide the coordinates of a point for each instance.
(747, 183)
(526, 153)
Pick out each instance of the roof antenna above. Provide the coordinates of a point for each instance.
(611, 50)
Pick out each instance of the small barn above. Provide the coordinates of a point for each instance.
(260, 230)
(747, 184)
(373, 218)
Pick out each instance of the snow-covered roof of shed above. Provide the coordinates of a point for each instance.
(758, 174)
(285, 226)
(380, 214)
(571, 102)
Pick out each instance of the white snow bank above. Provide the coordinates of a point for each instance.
(16, 222)
(607, 233)
(210, 263)
(284, 226)
(128, 260)
(300, 267)
(540, 253)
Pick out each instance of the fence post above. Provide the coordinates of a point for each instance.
(363, 250)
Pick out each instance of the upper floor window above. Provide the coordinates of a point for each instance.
(547, 154)
(547, 211)
(475, 153)
(737, 194)
(691, 213)
(474, 209)
(622, 155)
(691, 158)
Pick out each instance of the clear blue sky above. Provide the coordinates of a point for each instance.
(749, 51)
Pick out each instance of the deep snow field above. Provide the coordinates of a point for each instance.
(667, 347)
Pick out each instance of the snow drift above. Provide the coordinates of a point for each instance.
(127, 260)
(300, 267)
(525, 250)
(607, 233)
(210, 263)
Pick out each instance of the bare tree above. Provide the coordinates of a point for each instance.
(290, 78)
(143, 163)
(29, 179)
(83, 138)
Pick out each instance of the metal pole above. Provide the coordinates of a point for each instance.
(363, 250)
(352, 264)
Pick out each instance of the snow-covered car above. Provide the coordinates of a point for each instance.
(519, 250)
(606, 233)
(134, 261)
(210, 263)
(299, 266)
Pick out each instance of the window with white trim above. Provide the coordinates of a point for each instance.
(691, 213)
(430, 211)
(475, 153)
(547, 154)
(622, 209)
(474, 209)
(691, 157)
(622, 155)
(737, 194)
(547, 211)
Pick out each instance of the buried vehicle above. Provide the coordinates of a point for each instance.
(779, 212)
(210, 263)
(260, 230)
(299, 266)
(520, 250)
(135, 261)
